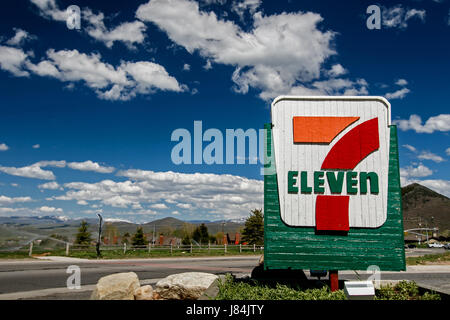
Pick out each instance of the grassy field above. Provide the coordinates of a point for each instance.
(132, 253)
(231, 289)
(441, 258)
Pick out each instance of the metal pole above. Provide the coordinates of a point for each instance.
(334, 280)
(240, 247)
(30, 252)
(191, 248)
(254, 247)
(209, 246)
(99, 235)
(225, 248)
(67, 248)
(171, 249)
(124, 247)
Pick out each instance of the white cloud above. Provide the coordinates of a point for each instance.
(398, 17)
(419, 171)
(111, 83)
(3, 147)
(90, 166)
(447, 151)
(337, 70)
(186, 67)
(401, 82)
(410, 148)
(35, 170)
(29, 172)
(13, 60)
(50, 186)
(243, 6)
(399, 94)
(36, 146)
(426, 155)
(129, 33)
(280, 54)
(7, 200)
(47, 209)
(230, 196)
(437, 123)
(50, 10)
(158, 206)
(20, 37)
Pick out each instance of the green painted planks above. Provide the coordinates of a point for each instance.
(301, 248)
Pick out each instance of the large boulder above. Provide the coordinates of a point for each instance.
(144, 293)
(188, 285)
(118, 286)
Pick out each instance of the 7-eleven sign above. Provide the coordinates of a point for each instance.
(332, 157)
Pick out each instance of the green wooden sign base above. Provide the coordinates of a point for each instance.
(287, 247)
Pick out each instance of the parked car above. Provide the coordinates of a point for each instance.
(412, 246)
(447, 246)
(435, 245)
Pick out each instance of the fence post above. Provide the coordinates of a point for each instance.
(191, 248)
(171, 249)
(240, 247)
(67, 248)
(30, 252)
(124, 248)
(225, 248)
(149, 247)
(254, 247)
(209, 246)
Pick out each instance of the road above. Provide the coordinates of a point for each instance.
(37, 276)
(19, 276)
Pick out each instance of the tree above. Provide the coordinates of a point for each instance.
(253, 232)
(186, 240)
(126, 238)
(201, 234)
(139, 238)
(83, 236)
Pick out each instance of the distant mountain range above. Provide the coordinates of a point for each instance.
(420, 206)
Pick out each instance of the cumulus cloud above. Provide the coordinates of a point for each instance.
(145, 191)
(410, 147)
(50, 10)
(122, 82)
(130, 33)
(447, 151)
(337, 70)
(399, 94)
(398, 16)
(426, 155)
(33, 171)
(90, 166)
(47, 209)
(280, 54)
(20, 37)
(437, 123)
(13, 60)
(419, 171)
(7, 200)
(401, 82)
(50, 186)
(3, 147)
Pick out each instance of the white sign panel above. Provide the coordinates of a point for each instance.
(331, 156)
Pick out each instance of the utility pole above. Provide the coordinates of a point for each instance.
(99, 235)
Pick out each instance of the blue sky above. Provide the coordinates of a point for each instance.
(87, 115)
